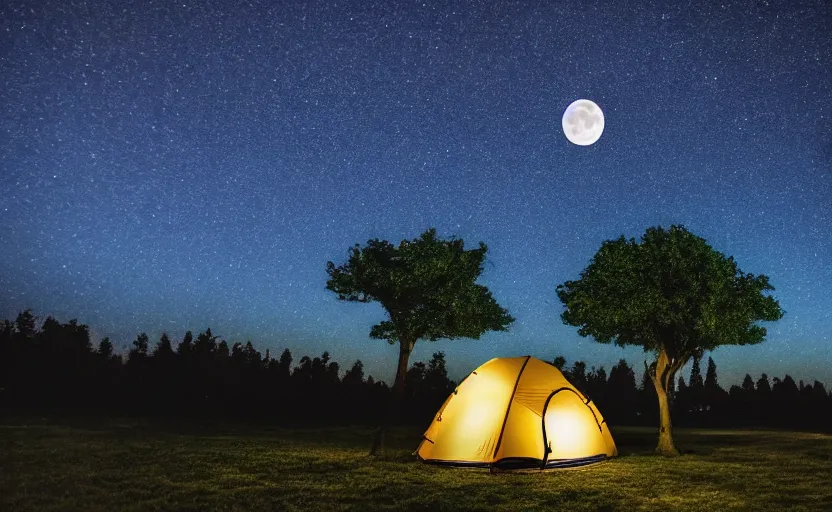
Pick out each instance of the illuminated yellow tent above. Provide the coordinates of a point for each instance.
(516, 413)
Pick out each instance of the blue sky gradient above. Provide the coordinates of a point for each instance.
(177, 166)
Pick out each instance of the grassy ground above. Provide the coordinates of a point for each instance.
(153, 466)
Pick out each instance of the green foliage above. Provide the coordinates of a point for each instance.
(669, 291)
(426, 285)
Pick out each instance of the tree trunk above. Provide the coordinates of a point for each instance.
(666, 445)
(396, 395)
(661, 381)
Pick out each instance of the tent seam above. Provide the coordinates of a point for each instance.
(508, 409)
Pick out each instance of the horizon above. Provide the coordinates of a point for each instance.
(456, 372)
(176, 167)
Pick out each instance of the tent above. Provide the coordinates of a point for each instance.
(516, 413)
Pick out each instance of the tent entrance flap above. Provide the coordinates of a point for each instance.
(570, 427)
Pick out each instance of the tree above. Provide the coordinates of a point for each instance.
(437, 384)
(622, 394)
(186, 345)
(691, 402)
(647, 397)
(204, 346)
(354, 377)
(136, 370)
(748, 384)
(284, 366)
(163, 349)
(577, 376)
(711, 381)
(163, 368)
(695, 382)
(714, 397)
(354, 404)
(105, 348)
(253, 358)
(428, 288)
(26, 324)
(596, 385)
(674, 296)
(414, 389)
(7, 356)
(436, 376)
(818, 392)
(784, 401)
(223, 352)
(140, 347)
(559, 362)
(763, 387)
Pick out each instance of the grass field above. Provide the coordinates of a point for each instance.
(130, 465)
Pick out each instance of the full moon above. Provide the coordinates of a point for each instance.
(583, 122)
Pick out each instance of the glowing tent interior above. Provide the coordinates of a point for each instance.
(516, 413)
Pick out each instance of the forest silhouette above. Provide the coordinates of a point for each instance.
(53, 368)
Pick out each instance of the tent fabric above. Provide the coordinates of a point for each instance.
(517, 413)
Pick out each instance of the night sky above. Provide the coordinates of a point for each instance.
(178, 166)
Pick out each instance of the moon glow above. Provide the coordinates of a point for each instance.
(583, 122)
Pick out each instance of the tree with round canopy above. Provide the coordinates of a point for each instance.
(427, 287)
(673, 295)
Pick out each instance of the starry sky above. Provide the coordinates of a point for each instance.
(173, 166)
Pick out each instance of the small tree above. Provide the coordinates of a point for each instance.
(748, 384)
(186, 345)
(692, 401)
(163, 349)
(427, 287)
(671, 294)
(622, 394)
(140, 347)
(105, 348)
(163, 371)
(354, 377)
(577, 376)
(695, 382)
(763, 386)
(284, 365)
(711, 380)
(26, 324)
(437, 384)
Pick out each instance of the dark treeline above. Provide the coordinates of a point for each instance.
(701, 401)
(55, 368)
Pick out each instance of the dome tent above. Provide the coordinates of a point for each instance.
(516, 413)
